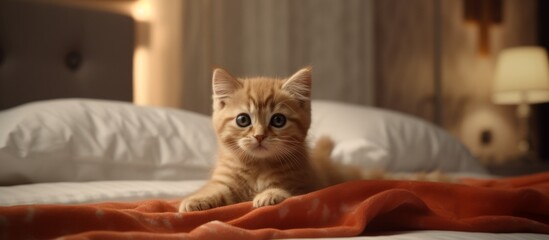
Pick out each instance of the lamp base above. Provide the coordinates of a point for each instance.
(525, 143)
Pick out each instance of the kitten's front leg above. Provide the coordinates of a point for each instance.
(210, 196)
(270, 196)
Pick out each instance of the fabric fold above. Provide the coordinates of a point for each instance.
(504, 205)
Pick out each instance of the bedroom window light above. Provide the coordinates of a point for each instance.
(522, 78)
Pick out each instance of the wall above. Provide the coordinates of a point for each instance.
(364, 52)
(276, 38)
(543, 109)
(378, 52)
(158, 63)
(467, 78)
(158, 55)
(404, 38)
(404, 41)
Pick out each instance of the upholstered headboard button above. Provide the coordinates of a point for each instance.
(51, 50)
(73, 60)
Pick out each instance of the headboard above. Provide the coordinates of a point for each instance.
(51, 51)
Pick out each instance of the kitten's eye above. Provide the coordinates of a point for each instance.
(243, 120)
(278, 120)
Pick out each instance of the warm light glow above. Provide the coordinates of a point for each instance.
(522, 76)
(141, 76)
(142, 10)
(157, 56)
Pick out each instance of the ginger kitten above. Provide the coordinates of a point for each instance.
(261, 125)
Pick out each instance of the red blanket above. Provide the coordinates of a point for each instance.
(504, 205)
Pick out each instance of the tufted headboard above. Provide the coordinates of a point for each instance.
(51, 51)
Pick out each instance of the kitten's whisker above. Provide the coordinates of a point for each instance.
(284, 164)
(281, 159)
(295, 158)
(288, 162)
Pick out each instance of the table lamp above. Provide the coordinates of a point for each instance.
(522, 77)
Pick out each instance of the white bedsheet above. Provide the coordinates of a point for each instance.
(97, 191)
(102, 191)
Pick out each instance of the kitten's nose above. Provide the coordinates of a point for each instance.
(259, 138)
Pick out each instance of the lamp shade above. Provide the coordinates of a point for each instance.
(522, 76)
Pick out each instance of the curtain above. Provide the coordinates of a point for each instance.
(276, 38)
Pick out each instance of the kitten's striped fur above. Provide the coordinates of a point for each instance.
(281, 165)
(261, 162)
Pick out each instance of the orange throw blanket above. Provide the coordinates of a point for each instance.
(354, 208)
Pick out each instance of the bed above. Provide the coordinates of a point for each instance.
(78, 162)
(122, 169)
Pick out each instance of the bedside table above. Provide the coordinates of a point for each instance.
(517, 168)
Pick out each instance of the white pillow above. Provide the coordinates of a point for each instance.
(84, 140)
(380, 139)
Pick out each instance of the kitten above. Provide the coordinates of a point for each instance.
(261, 125)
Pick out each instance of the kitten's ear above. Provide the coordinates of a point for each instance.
(224, 84)
(299, 84)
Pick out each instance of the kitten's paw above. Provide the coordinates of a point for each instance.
(197, 204)
(270, 197)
